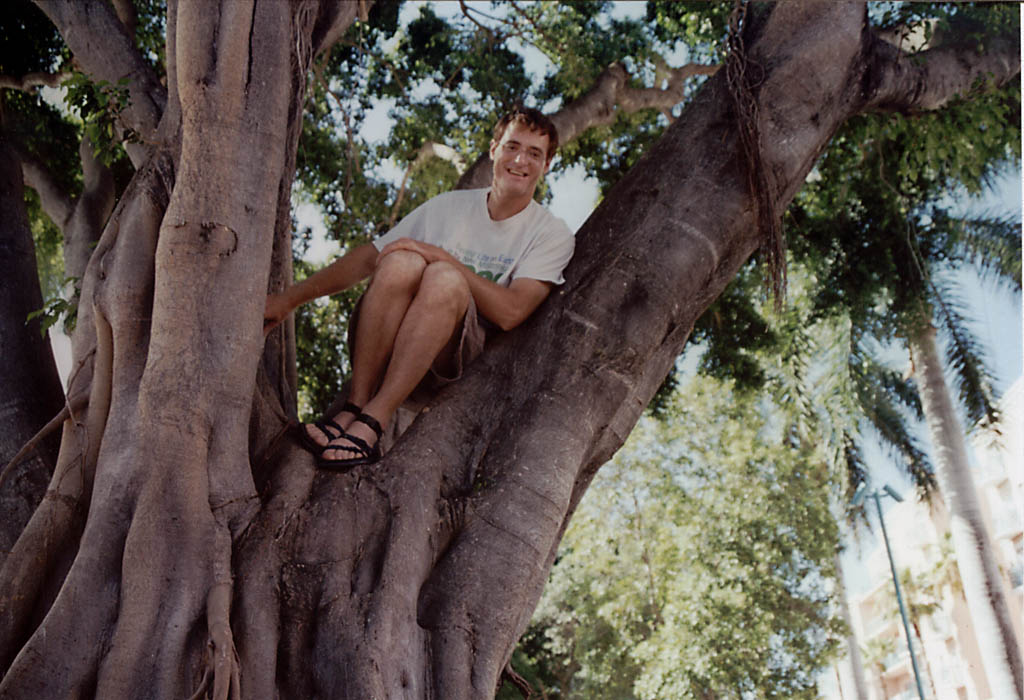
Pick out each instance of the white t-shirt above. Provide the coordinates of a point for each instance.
(534, 243)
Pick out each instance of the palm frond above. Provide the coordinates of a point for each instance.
(882, 409)
(889, 384)
(793, 388)
(965, 357)
(991, 244)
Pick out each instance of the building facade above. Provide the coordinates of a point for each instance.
(949, 663)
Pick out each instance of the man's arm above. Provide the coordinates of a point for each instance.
(506, 307)
(349, 269)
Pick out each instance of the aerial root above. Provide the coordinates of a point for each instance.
(521, 684)
(54, 423)
(222, 676)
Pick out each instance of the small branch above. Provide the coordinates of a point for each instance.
(466, 10)
(387, 64)
(428, 150)
(516, 31)
(353, 154)
(53, 424)
(558, 48)
(30, 81)
(611, 92)
(521, 684)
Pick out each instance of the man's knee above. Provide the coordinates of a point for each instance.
(443, 282)
(403, 267)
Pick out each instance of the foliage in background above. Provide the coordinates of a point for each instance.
(698, 564)
(321, 336)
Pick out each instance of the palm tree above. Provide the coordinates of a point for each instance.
(882, 254)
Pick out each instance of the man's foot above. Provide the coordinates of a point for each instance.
(316, 436)
(353, 448)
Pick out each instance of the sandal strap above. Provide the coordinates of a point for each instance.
(328, 427)
(361, 447)
(371, 422)
(350, 407)
(358, 447)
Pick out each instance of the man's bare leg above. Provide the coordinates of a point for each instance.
(435, 314)
(391, 291)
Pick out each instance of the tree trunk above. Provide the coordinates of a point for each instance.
(860, 684)
(190, 547)
(31, 391)
(983, 585)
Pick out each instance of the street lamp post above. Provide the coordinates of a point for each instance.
(858, 497)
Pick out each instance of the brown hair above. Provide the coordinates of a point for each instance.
(533, 119)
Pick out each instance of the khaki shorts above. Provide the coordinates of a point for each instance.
(465, 346)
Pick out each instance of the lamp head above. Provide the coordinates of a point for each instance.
(859, 494)
(892, 492)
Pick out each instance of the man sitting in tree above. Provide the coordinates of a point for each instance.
(457, 268)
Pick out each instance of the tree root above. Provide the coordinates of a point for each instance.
(521, 684)
(223, 671)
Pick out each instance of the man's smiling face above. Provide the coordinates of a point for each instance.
(520, 159)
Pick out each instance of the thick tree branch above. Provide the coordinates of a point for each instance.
(80, 220)
(104, 49)
(901, 82)
(125, 10)
(32, 80)
(55, 201)
(92, 209)
(612, 93)
(334, 20)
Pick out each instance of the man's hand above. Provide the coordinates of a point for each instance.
(430, 253)
(277, 309)
(349, 269)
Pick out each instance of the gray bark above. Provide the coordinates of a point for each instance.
(983, 584)
(32, 392)
(192, 535)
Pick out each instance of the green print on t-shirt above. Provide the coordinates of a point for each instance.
(483, 273)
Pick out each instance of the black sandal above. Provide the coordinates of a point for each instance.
(328, 427)
(362, 452)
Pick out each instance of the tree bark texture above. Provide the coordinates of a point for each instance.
(30, 390)
(983, 584)
(190, 548)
